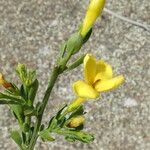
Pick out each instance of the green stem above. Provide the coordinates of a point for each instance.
(53, 79)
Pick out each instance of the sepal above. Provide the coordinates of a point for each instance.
(74, 43)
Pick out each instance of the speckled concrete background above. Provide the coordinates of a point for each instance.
(31, 32)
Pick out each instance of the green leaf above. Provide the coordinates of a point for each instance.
(29, 111)
(17, 138)
(5, 101)
(41, 127)
(22, 92)
(33, 90)
(18, 112)
(26, 127)
(76, 135)
(52, 124)
(77, 112)
(45, 135)
(69, 139)
(74, 43)
(38, 108)
(63, 50)
(60, 111)
(12, 97)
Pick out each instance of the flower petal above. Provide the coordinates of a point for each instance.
(103, 71)
(110, 84)
(84, 90)
(89, 68)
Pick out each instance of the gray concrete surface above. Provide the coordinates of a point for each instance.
(31, 32)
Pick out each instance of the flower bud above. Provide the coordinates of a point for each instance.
(4, 83)
(94, 10)
(76, 122)
(74, 43)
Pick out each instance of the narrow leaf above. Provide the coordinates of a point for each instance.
(33, 90)
(4, 101)
(45, 135)
(12, 97)
(17, 138)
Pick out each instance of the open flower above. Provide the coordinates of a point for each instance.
(94, 10)
(98, 77)
(4, 83)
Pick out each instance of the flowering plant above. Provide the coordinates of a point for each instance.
(69, 120)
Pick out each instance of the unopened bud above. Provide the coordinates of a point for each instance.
(4, 83)
(74, 43)
(94, 10)
(76, 122)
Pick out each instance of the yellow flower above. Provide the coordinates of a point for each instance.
(94, 10)
(98, 78)
(76, 122)
(4, 83)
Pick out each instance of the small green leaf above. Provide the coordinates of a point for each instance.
(12, 97)
(77, 112)
(5, 101)
(18, 112)
(76, 135)
(29, 111)
(52, 124)
(45, 135)
(60, 111)
(17, 138)
(69, 139)
(41, 127)
(38, 108)
(33, 90)
(26, 127)
(22, 92)
(63, 50)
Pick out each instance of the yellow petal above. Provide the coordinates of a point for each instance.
(103, 71)
(76, 103)
(110, 84)
(94, 10)
(89, 68)
(84, 90)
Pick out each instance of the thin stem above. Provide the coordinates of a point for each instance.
(53, 79)
(144, 26)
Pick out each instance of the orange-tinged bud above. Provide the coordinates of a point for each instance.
(4, 83)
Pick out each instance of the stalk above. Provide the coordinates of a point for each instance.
(52, 81)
